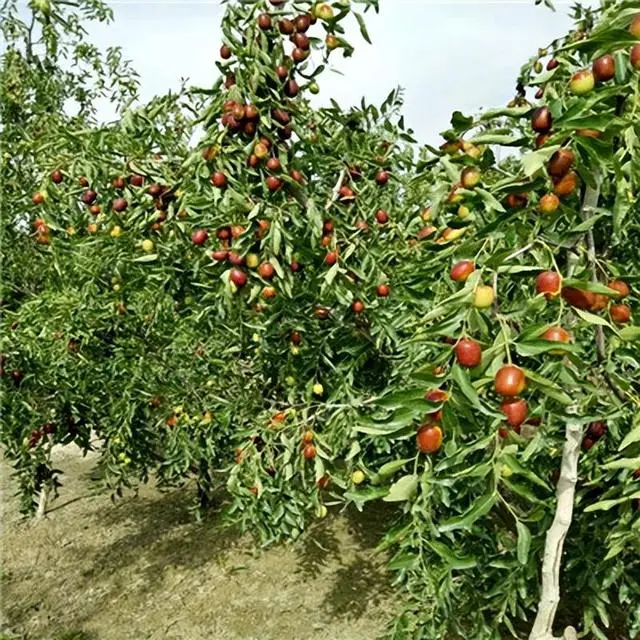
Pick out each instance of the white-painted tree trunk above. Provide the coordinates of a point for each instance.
(42, 501)
(550, 596)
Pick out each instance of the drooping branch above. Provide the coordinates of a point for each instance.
(550, 595)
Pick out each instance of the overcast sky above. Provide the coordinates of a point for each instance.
(447, 55)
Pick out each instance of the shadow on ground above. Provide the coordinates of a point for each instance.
(361, 580)
(143, 568)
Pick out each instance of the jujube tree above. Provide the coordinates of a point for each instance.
(310, 309)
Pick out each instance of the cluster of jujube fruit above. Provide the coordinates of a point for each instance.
(159, 195)
(510, 380)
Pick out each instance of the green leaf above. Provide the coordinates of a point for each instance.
(605, 505)
(592, 318)
(315, 218)
(390, 468)
(461, 122)
(276, 239)
(630, 438)
(596, 287)
(331, 274)
(524, 542)
(490, 201)
(150, 257)
(363, 27)
(464, 452)
(509, 112)
(537, 347)
(544, 77)
(587, 224)
(517, 268)
(624, 463)
(536, 160)
(481, 507)
(354, 450)
(599, 122)
(629, 334)
(522, 490)
(400, 398)
(255, 211)
(523, 471)
(403, 562)
(453, 172)
(622, 68)
(396, 422)
(503, 139)
(549, 387)
(366, 494)
(461, 378)
(454, 561)
(403, 489)
(498, 258)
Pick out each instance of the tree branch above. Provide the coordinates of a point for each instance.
(336, 189)
(589, 203)
(550, 595)
(29, 45)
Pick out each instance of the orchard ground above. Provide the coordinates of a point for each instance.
(144, 568)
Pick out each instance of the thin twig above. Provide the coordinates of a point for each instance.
(29, 50)
(518, 252)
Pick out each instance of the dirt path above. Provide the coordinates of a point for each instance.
(143, 569)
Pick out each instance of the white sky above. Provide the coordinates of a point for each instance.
(447, 55)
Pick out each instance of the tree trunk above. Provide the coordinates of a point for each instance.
(550, 596)
(42, 501)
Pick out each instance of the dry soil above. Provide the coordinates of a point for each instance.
(144, 569)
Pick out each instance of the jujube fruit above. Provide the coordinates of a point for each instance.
(460, 271)
(429, 439)
(621, 287)
(515, 410)
(604, 68)
(510, 380)
(620, 313)
(238, 277)
(199, 237)
(549, 283)
(468, 353)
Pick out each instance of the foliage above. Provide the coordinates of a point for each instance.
(223, 317)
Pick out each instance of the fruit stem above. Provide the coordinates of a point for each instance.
(551, 254)
(560, 312)
(484, 244)
(519, 252)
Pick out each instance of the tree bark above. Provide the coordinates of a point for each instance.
(589, 203)
(550, 596)
(336, 190)
(42, 501)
